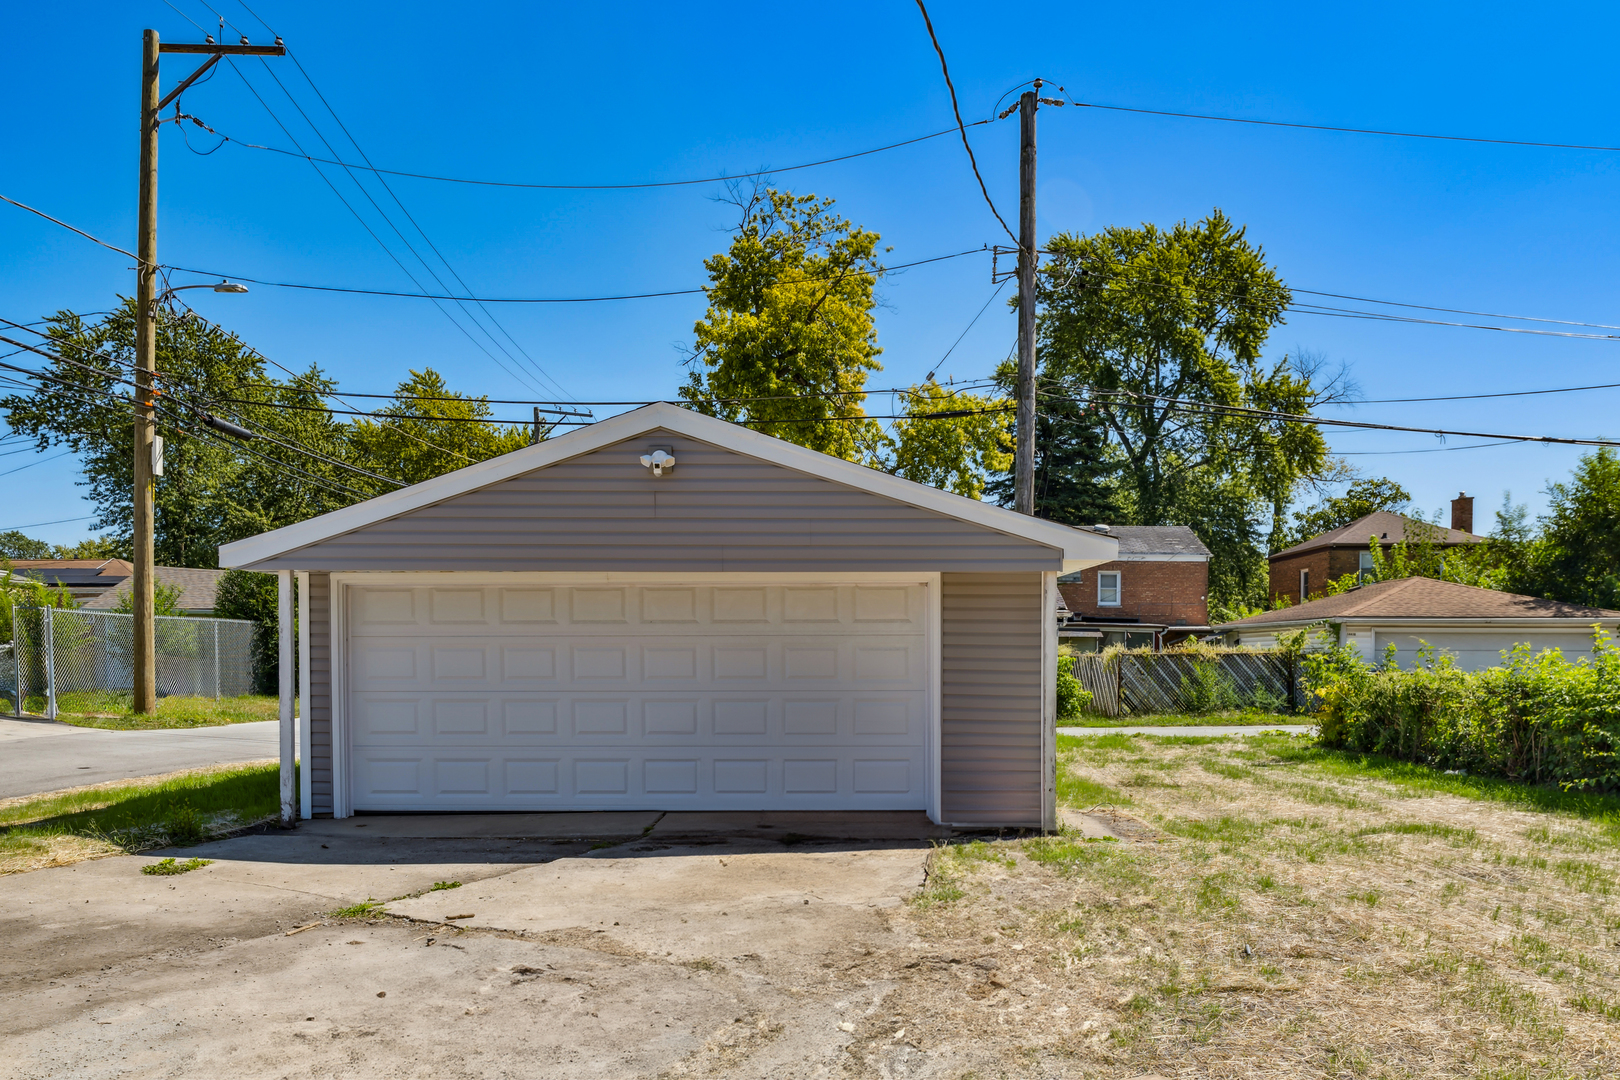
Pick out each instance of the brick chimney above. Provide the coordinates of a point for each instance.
(1462, 512)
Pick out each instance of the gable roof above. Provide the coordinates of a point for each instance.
(1156, 540)
(1072, 547)
(197, 588)
(1389, 527)
(1417, 598)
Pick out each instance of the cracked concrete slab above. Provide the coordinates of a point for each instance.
(689, 902)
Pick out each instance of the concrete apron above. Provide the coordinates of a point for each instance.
(767, 825)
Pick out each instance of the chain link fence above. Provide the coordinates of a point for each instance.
(64, 660)
(8, 681)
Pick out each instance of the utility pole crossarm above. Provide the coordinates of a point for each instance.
(277, 49)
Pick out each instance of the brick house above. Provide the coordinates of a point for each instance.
(1303, 571)
(1155, 593)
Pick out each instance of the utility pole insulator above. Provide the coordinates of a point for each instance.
(1024, 451)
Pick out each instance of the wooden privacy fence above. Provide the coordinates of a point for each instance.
(1123, 682)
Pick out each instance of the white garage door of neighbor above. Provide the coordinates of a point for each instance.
(638, 697)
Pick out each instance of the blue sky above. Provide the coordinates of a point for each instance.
(555, 93)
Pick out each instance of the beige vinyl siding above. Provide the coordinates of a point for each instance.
(719, 511)
(319, 756)
(991, 699)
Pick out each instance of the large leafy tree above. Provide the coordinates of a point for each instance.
(430, 430)
(1577, 556)
(305, 460)
(1162, 332)
(213, 490)
(16, 545)
(788, 339)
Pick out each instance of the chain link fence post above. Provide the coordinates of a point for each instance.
(50, 664)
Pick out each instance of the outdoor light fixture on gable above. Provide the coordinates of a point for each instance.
(658, 461)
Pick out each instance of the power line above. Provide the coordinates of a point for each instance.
(1346, 130)
(553, 299)
(1476, 397)
(1108, 397)
(39, 461)
(397, 231)
(1430, 450)
(69, 228)
(961, 127)
(639, 185)
(369, 230)
(40, 524)
(434, 247)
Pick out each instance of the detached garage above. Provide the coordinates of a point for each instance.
(666, 611)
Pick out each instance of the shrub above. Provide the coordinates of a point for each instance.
(1071, 696)
(1537, 717)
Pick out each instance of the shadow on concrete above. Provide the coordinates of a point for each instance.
(400, 839)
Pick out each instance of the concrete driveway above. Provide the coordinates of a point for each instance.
(592, 945)
(44, 755)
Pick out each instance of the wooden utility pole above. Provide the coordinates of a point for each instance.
(144, 684)
(145, 681)
(1024, 452)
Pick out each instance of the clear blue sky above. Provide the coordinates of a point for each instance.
(560, 93)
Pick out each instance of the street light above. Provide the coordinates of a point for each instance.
(223, 286)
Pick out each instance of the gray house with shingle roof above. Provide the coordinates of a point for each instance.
(1474, 625)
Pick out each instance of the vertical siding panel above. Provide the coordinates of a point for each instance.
(320, 693)
(991, 699)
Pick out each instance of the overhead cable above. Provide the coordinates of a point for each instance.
(1347, 130)
(1110, 397)
(961, 127)
(558, 299)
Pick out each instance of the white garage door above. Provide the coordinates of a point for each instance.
(638, 697)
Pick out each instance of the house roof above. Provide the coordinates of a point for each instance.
(197, 588)
(1155, 540)
(82, 577)
(1075, 547)
(1426, 599)
(1389, 527)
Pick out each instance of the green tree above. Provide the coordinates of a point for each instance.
(213, 490)
(94, 547)
(15, 545)
(165, 600)
(1074, 464)
(789, 338)
(957, 451)
(244, 594)
(1140, 322)
(1577, 556)
(431, 430)
(1364, 496)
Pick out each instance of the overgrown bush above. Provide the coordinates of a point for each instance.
(1071, 696)
(1537, 717)
(1209, 689)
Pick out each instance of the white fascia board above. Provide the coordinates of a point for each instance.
(1078, 549)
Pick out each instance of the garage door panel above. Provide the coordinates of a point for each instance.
(638, 779)
(624, 696)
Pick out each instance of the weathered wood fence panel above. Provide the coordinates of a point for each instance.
(1146, 682)
(1098, 674)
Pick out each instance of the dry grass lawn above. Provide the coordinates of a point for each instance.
(1282, 911)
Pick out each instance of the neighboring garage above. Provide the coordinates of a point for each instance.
(754, 626)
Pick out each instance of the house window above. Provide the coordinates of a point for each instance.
(1366, 566)
(1304, 585)
(1108, 588)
